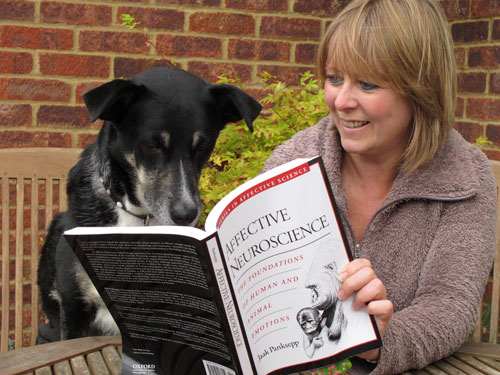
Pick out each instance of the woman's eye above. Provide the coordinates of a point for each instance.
(334, 80)
(368, 86)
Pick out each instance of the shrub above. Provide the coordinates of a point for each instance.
(239, 155)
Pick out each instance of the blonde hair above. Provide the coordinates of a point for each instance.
(407, 45)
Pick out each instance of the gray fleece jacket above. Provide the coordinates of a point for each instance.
(431, 243)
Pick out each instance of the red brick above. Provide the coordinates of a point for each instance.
(460, 56)
(127, 67)
(264, 50)
(459, 108)
(213, 72)
(75, 14)
(50, 115)
(296, 28)
(470, 130)
(15, 63)
(496, 30)
(290, 75)
(108, 41)
(484, 57)
(483, 109)
(222, 23)
(493, 134)
(85, 140)
(192, 46)
(36, 90)
(74, 65)
(34, 139)
(200, 3)
(455, 9)
(82, 88)
(306, 53)
(155, 18)
(15, 114)
(471, 82)
(258, 5)
(468, 32)
(485, 8)
(35, 38)
(17, 10)
(495, 83)
(492, 154)
(318, 7)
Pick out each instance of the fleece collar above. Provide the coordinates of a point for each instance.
(450, 175)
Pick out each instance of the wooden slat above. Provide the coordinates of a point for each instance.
(45, 161)
(19, 263)
(495, 298)
(478, 329)
(481, 349)
(113, 359)
(97, 364)
(34, 259)
(4, 339)
(79, 365)
(460, 365)
(448, 369)
(49, 199)
(44, 371)
(63, 199)
(433, 370)
(479, 366)
(495, 364)
(28, 359)
(62, 368)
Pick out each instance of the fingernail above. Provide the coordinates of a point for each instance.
(341, 294)
(342, 276)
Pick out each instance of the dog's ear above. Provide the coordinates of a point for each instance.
(110, 101)
(234, 104)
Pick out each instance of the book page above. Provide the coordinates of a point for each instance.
(283, 248)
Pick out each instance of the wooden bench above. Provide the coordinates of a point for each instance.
(85, 356)
(33, 190)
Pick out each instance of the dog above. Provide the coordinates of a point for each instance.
(159, 129)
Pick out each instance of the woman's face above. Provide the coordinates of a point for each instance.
(374, 122)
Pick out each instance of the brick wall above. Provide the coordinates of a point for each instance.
(53, 51)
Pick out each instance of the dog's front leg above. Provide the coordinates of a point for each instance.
(76, 317)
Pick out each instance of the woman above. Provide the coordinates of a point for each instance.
(418, 201)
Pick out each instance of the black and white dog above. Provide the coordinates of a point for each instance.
(159, 129)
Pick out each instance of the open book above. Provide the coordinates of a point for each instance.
(256, 293)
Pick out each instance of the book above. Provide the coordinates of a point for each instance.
(253, 293)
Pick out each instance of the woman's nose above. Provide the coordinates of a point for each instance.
(346, 99)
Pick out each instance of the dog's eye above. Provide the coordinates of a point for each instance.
(202, 146)
(151, 146)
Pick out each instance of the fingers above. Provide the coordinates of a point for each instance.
(382, 311)
(359, 276)
(352, 267)
(370, 293)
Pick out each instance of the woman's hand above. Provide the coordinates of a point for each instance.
(359, 277)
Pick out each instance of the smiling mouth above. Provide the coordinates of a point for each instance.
(354, 124)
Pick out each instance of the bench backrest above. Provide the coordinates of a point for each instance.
(33, 190)
(491, 299)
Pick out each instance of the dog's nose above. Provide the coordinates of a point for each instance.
(184, 213)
